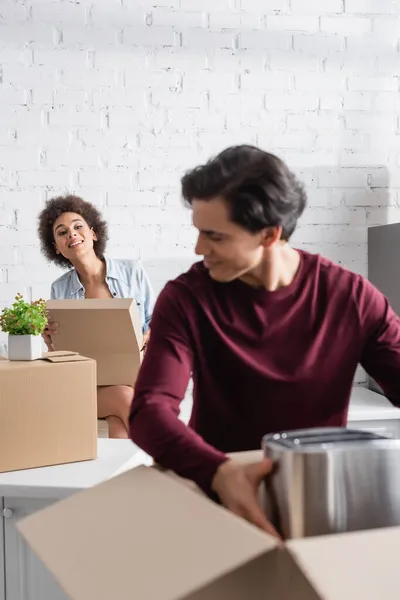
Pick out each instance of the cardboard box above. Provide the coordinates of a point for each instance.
(162, 540)
(48, 411)
(106, 330)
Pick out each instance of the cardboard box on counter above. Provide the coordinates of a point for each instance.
(48, 411)
(106, 330)
(163, 540)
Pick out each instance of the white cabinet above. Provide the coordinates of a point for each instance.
(26, 578)
(22, 575)
(2, 580)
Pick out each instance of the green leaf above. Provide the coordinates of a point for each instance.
(24, 318)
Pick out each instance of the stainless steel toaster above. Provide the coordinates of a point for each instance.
(332, 480)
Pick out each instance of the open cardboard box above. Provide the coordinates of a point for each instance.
(108, 331)
(48, 411)
(160, 539)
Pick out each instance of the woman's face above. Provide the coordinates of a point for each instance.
(73, 238)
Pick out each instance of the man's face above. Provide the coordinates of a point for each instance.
(229, 250)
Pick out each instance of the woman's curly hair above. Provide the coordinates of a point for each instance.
(62, 204)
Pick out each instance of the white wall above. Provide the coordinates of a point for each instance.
(114, 101)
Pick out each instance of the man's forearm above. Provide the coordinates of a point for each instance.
(156, 428)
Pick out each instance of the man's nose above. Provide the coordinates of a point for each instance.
(201, 247)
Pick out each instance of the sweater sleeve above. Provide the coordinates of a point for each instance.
(159, 390)
(381, 355)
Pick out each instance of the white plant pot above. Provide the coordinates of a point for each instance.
(24, 347)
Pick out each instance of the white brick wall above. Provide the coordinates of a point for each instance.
(114, 99)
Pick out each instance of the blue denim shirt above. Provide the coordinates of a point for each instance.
(125, 279)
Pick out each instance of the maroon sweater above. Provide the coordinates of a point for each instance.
(261, 361)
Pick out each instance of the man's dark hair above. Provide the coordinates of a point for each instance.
(62, 204)
(259, 188)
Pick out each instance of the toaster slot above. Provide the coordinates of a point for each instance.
(309, 437)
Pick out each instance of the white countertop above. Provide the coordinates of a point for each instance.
(116, 456)
(366, 405)
(59, 481)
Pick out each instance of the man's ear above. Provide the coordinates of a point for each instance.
(271, 235)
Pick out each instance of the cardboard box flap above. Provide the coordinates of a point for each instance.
(63, 356)
(247, 456)
(109, 331)
(112, 325)
(142, 534)
(363, 565)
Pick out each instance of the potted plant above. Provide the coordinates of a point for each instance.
(24, 322)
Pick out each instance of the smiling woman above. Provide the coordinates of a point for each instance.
(73, 235)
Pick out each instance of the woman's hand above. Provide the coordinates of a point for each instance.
(146, 338)
(50, 330)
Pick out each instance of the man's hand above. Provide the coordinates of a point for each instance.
(237, 487)
(50, 330)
